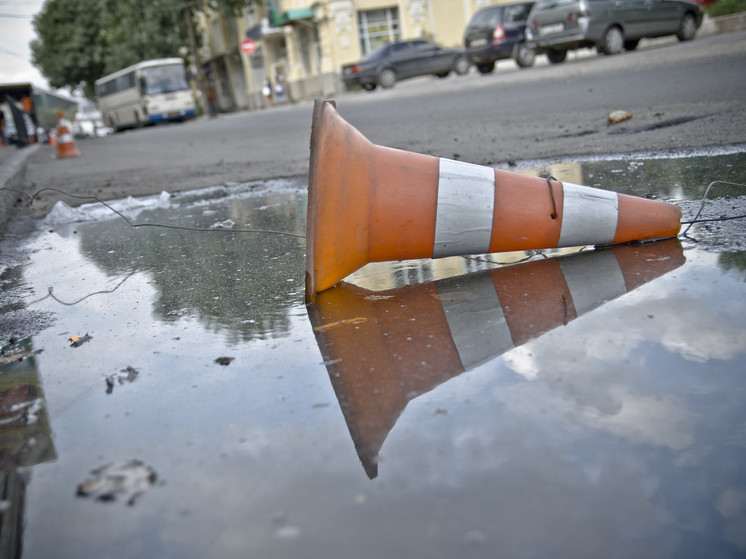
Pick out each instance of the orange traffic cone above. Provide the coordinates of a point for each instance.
(65, 145)
(384, 348)
(368, 203)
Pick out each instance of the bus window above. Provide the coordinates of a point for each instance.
(164, 79)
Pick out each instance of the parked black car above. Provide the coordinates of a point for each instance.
(496, 33)
(390, 63)
(609, 25)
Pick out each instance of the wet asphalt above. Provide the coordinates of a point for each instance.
(167, 393)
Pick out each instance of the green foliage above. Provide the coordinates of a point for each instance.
(726, 7)
(80, 41)
(733, 261)
(135, 30)
(68, 50)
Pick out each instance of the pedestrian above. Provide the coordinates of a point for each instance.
(267, 91)
(211, 106)
(280, 89)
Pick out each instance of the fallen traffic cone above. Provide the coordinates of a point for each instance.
(368, 203)
(384, 348)
(65, 145)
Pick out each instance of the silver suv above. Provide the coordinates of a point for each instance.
(555, 26)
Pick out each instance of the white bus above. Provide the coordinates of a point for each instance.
(145, 93)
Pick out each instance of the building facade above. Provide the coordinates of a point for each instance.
(303, 44)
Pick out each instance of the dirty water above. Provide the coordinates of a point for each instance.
(166, 393)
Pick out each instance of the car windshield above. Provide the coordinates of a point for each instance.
(164, 79)
(486, 18)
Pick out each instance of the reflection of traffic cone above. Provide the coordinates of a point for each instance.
(65, 145)
(382, 349)
(368, 203)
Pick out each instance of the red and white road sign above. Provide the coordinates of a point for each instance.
(248, 46)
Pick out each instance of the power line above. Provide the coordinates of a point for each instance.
(10, 52)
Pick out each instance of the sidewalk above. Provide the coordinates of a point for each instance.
(13, 163)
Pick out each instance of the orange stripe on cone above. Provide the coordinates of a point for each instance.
(369, 203)
(382, 349)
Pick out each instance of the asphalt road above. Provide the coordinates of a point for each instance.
(681, 95)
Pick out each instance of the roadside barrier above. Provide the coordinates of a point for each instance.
(65, 144)
(369, 203)
(384, 348)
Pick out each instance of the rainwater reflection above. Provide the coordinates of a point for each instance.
(384, 348)
(610, 423)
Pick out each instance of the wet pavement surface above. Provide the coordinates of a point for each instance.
(166, 393)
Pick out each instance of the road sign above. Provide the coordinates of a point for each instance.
(248, 46)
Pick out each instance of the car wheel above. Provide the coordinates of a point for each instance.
(461, 65)
(556, 56)
(523, 55)
(442, 74)
(369, 86)
(631, 44)
(687, 28)
(486, 67)
(612, 42)
(386, 78)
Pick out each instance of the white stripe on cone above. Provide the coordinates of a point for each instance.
(466, 203)
(466, 200)
(589, 216)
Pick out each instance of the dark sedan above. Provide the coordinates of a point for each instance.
(390, 63)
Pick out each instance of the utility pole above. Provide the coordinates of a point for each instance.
(200, 73)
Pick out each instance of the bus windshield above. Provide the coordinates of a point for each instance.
(163, 79)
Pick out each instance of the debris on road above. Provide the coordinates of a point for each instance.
(225, 361)
(615, 117)
(125, 375)
(77, 341)
(126, 480)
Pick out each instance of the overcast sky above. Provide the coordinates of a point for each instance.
(16, 31)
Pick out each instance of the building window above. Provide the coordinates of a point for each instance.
(378, 27)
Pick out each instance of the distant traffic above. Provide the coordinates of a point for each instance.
(521, 30)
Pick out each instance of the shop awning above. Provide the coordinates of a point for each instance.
(290, 16)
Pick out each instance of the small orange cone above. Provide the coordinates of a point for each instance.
(368, 203)
(65, 145)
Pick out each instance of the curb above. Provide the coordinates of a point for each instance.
(12, 174)
(722, 24)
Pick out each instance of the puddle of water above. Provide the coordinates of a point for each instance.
(441, 408)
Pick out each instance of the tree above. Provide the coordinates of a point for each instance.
(80, 41)
(69, 50)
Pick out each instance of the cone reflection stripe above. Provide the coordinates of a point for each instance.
(476, 322)
(466, 201)
(608, 280)
(419, 336)
(589, 216)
